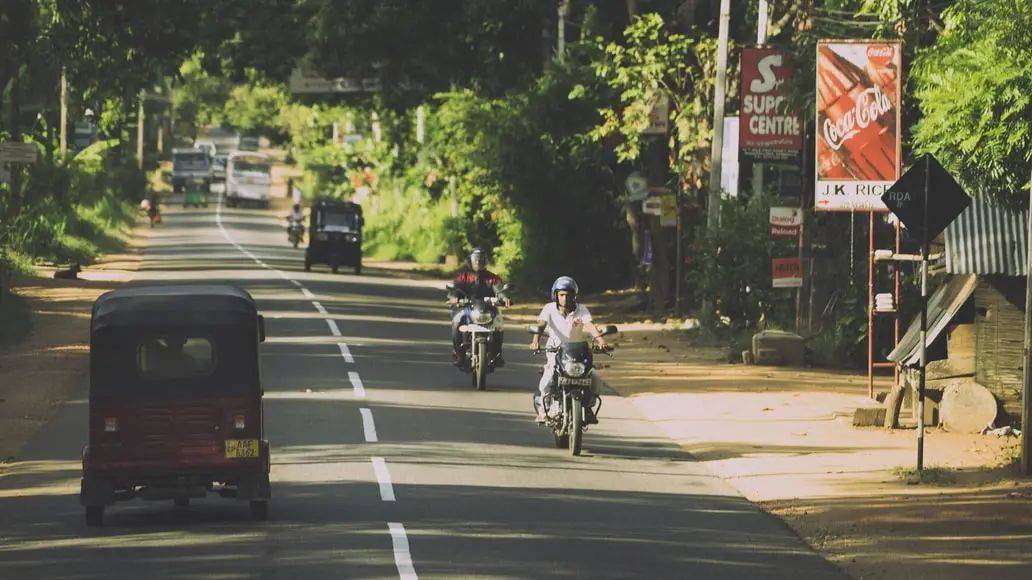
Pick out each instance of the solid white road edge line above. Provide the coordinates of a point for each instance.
(345, 352)
(383, 477)
(402, 556)
(368, 425)
(356, 382)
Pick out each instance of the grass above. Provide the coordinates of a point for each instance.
(928, 475)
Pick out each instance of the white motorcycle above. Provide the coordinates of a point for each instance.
(482, 335)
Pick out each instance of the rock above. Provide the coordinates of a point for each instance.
(778, 347)
(967, 407)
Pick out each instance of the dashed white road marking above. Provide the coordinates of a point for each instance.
(334, 330)
(319, 307)
(356, 383)
(292, 281)
(383, 477)
(346, 352)
(368, 426)
(402, 555)
(307, 293)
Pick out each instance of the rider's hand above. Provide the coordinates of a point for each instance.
(535, 343)
(600, 342)
(507, 302)
(453, 300)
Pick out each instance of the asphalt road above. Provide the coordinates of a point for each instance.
(386, 463)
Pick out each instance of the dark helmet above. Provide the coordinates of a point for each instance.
(297, 207)
(564, 283)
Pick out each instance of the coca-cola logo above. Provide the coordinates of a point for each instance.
(869, 106)
(880, 55)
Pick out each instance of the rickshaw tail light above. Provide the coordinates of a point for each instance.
(110, 424)
(239, 422)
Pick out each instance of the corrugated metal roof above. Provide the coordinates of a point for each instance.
(942, 307)
(988, 239)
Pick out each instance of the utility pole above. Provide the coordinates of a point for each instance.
(761, 39)
(1026, 391)
(139, 131)
(564, 10)
(713, 209)
(64, 113)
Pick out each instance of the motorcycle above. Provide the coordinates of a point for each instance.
(482, 335)
(573, 405)
(295, 232)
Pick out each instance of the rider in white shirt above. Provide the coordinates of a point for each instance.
(565, 321)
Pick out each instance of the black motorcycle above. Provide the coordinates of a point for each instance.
(573, 405)
(295, 232)
(482, 334)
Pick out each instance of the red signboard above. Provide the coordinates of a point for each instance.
(768, 130)
(787, 272)
(858, 123)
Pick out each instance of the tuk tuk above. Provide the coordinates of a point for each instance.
(175, 402)
(335, 235)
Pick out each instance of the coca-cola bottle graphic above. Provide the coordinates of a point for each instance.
(856, 122)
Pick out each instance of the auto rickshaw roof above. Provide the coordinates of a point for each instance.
(174, 305)
(336, 205)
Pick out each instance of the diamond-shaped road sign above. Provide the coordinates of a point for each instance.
(946, 199)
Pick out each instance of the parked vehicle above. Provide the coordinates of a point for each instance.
(191, 170)
(574, 403)
(175, 401)
(218, 167)
(248, 179)
(248, 143)
(335, 235)
(482, 336)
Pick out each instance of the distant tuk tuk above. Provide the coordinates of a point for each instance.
(175, 402)
(335, 235)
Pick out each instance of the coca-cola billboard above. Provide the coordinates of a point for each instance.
(768, 129)
(858, 123)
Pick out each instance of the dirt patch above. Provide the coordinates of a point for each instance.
(784, 438)
(40, 372)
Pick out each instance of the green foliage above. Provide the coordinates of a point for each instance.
(254, 107)
(975, 91)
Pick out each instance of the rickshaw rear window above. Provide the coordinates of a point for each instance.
(162, 358)
(348, 220)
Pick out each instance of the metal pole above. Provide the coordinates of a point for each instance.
(924, 320)
(761, 24)
(564, 8)
(870, 304)
(1026, 391)
(64, 113)
(713, 209)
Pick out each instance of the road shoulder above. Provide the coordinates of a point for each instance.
(49, 365)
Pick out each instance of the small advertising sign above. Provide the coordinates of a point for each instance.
(768, 130)
(668, 210)
(652, 206)
(787, 272)
(659, 117)
(785, 222)
(858, 123)
(15, 152)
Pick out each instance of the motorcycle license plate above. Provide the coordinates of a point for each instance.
(241, 448)
(566, 381)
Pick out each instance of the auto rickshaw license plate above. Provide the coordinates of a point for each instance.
(239, 448)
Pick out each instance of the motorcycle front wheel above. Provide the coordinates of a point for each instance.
(576, 426)
(480, 367)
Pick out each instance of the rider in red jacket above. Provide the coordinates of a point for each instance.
(475, 282)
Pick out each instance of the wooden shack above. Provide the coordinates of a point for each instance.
(999, 303)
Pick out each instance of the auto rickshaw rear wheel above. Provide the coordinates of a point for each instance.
(358, 268)
(260, 510)
(94, 516)
(308, 266)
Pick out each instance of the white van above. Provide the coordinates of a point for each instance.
(248, 179)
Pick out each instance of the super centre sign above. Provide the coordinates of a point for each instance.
(768, 129)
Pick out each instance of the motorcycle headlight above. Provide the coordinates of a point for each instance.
(479, 316)
(573, 368)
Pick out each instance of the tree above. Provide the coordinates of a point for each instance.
(974, 86)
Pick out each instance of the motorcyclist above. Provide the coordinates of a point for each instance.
(296, 219)
(566, 321)
(474, 282)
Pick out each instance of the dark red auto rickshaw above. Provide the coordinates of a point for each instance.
(175, 405)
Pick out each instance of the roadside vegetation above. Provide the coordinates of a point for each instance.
(521, 149)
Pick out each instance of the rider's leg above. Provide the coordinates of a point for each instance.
(545, 386)
(496, 348)
(459, 318)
